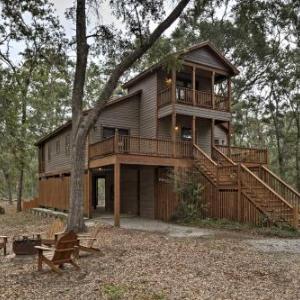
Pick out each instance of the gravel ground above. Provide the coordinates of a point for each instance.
(145, 265)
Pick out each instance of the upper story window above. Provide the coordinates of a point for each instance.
(110, 131)
(67, 144)
(57, 146)
(49, 152)
(186, 133)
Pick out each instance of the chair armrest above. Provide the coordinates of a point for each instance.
(43, 248)
(3, 237)
(83, 235)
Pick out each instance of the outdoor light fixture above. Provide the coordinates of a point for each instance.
(168, 81)
(176, 128)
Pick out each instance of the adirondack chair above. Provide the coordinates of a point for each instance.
(56, 227)
(3, 243)
(87, 241)
(59, 255)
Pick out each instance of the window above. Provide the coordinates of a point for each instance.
(110, 131)
(216, 142)
(67, 144)
(186, 133)
(57, 146)
(49, 152)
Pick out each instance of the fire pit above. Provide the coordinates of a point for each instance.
(24, 245)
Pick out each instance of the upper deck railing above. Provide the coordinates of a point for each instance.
(136, 145)
(202, 98)
(245, 155)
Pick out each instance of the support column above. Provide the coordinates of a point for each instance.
(90, 193)
(173, 95)
(229, 138)
(194, 130)
(194, 85)
(212, 132)
(117, 186)
(229, 93)
(213, 89)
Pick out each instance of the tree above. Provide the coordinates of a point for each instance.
(41, 40)
(137, 16)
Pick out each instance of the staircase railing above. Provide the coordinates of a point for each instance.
(221, 158)
(205, 160)
(279, 186)
(222, 174)
(277, 208)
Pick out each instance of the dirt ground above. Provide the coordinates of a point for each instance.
(145, 265)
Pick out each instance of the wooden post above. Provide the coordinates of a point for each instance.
(116, 141)
(173, 97)
(212, 132)
(239, 194)
(296, 217)
(229, 93)
(194, 85)
(194, 130)
(213, 89)
(89, 192)
(229, 139)
(117, 186)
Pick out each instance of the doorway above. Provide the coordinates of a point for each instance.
(99, 203)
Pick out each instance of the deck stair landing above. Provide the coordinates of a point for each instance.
(276, 200)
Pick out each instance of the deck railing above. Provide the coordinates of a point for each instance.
(185, 96)
(279, 186)
(273, 204)
(141, 146)
(245, 155)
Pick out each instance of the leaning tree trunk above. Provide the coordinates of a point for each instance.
(8, 185)
(82, 124)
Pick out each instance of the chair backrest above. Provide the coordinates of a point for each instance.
(94, 235)
(65, 247)
(57, 226)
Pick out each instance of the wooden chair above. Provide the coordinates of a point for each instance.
(86, 242)
(3, 243)
(57, 226)
(59, 255)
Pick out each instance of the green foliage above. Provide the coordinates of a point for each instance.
(191, 205)
(113, 292)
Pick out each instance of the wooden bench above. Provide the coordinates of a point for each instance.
(62, 253)
(3, 243)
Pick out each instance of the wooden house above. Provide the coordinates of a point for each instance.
(169, 120)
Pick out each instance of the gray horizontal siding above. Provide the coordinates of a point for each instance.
(59, 161)
(147, 105)
(194, 111)
(221, 135)
(206, 56)
(123, 115)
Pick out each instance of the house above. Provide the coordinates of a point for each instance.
(168, 120)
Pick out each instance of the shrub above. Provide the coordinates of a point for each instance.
(191, 205)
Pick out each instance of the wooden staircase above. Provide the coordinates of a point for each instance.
(270, 195)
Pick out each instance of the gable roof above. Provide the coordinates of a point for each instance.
(68, 123)
(211, 46)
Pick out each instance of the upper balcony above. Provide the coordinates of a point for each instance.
(204, 99)
(194, 90)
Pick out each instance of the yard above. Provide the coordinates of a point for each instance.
(145, 265)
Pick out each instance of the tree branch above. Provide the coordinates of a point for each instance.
(127, 61)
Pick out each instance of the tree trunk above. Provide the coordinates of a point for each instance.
(9, 186)
(76, 217)
(20, 189)
(82, 124)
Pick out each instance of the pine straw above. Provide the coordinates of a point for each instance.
(140, 265)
